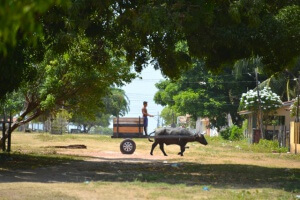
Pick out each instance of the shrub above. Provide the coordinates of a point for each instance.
(236, 133)
(225, 133)
(270, 146)
(232, 133)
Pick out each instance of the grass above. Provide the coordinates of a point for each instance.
(220, 170)
(264, 146)
(32, 161)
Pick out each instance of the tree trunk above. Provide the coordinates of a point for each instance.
(18, 123)
(236, 119)
(89, 128)
(85, 128)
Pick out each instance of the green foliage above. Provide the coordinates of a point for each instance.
(114, 104)
(236, 133)
(169, 34)
(201, 94)
(264, 146)
(18, 18)
(12, 103)
(245, 125)
(76, 82)
(225, 133)
(20, 33)
(294, 108)
(84, 48)
(60, 121)
(168, 115)
(232, 133)
(269, 146)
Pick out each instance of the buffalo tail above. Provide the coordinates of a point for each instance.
(150, 135)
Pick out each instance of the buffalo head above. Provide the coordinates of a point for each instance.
(201, 139)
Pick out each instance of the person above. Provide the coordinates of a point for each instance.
(145, 116)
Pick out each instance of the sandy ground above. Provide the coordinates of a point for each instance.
(105, 168)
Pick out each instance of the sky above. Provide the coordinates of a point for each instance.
(140, 90)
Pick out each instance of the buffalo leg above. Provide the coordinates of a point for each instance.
(182, 148)
(161, 146)
(153, 147)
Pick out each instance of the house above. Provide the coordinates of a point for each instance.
(203, 125)
(276, 125)
(184, 121)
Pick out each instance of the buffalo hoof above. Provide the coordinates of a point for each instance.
(151, 154)
(165, 155)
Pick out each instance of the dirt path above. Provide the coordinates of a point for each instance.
(96, 166)
(104, 168)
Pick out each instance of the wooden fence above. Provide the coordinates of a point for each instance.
(295, 137)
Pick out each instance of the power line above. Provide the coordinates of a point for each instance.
(201, 81)
(210, 76)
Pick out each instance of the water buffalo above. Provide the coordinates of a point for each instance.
(179, 136)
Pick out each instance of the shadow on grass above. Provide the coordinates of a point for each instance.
(46, 169)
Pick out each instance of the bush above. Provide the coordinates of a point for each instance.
(232, 133)
(270, 146)
(236, 133)
(225, 133)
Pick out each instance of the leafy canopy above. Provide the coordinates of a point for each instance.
(219, 32)
(74, 81)
(201, 94)
(114, 104)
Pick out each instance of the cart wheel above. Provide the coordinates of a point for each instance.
(127, 146)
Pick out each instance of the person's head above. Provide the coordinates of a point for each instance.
(145, 103)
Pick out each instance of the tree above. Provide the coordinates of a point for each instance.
(73, 81)
(168, 115)
(219, 32)
(60, 121)
(282, 83)
(201, 94)
(261, 107)
(19, 28)
(115, 104)
(87, 124)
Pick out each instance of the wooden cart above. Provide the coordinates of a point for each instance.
(128, 128)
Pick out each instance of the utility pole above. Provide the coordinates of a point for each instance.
(259, 105)
(173, 125)
(158, 119)
(9, 132)
(3, 131)
(297, 109)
